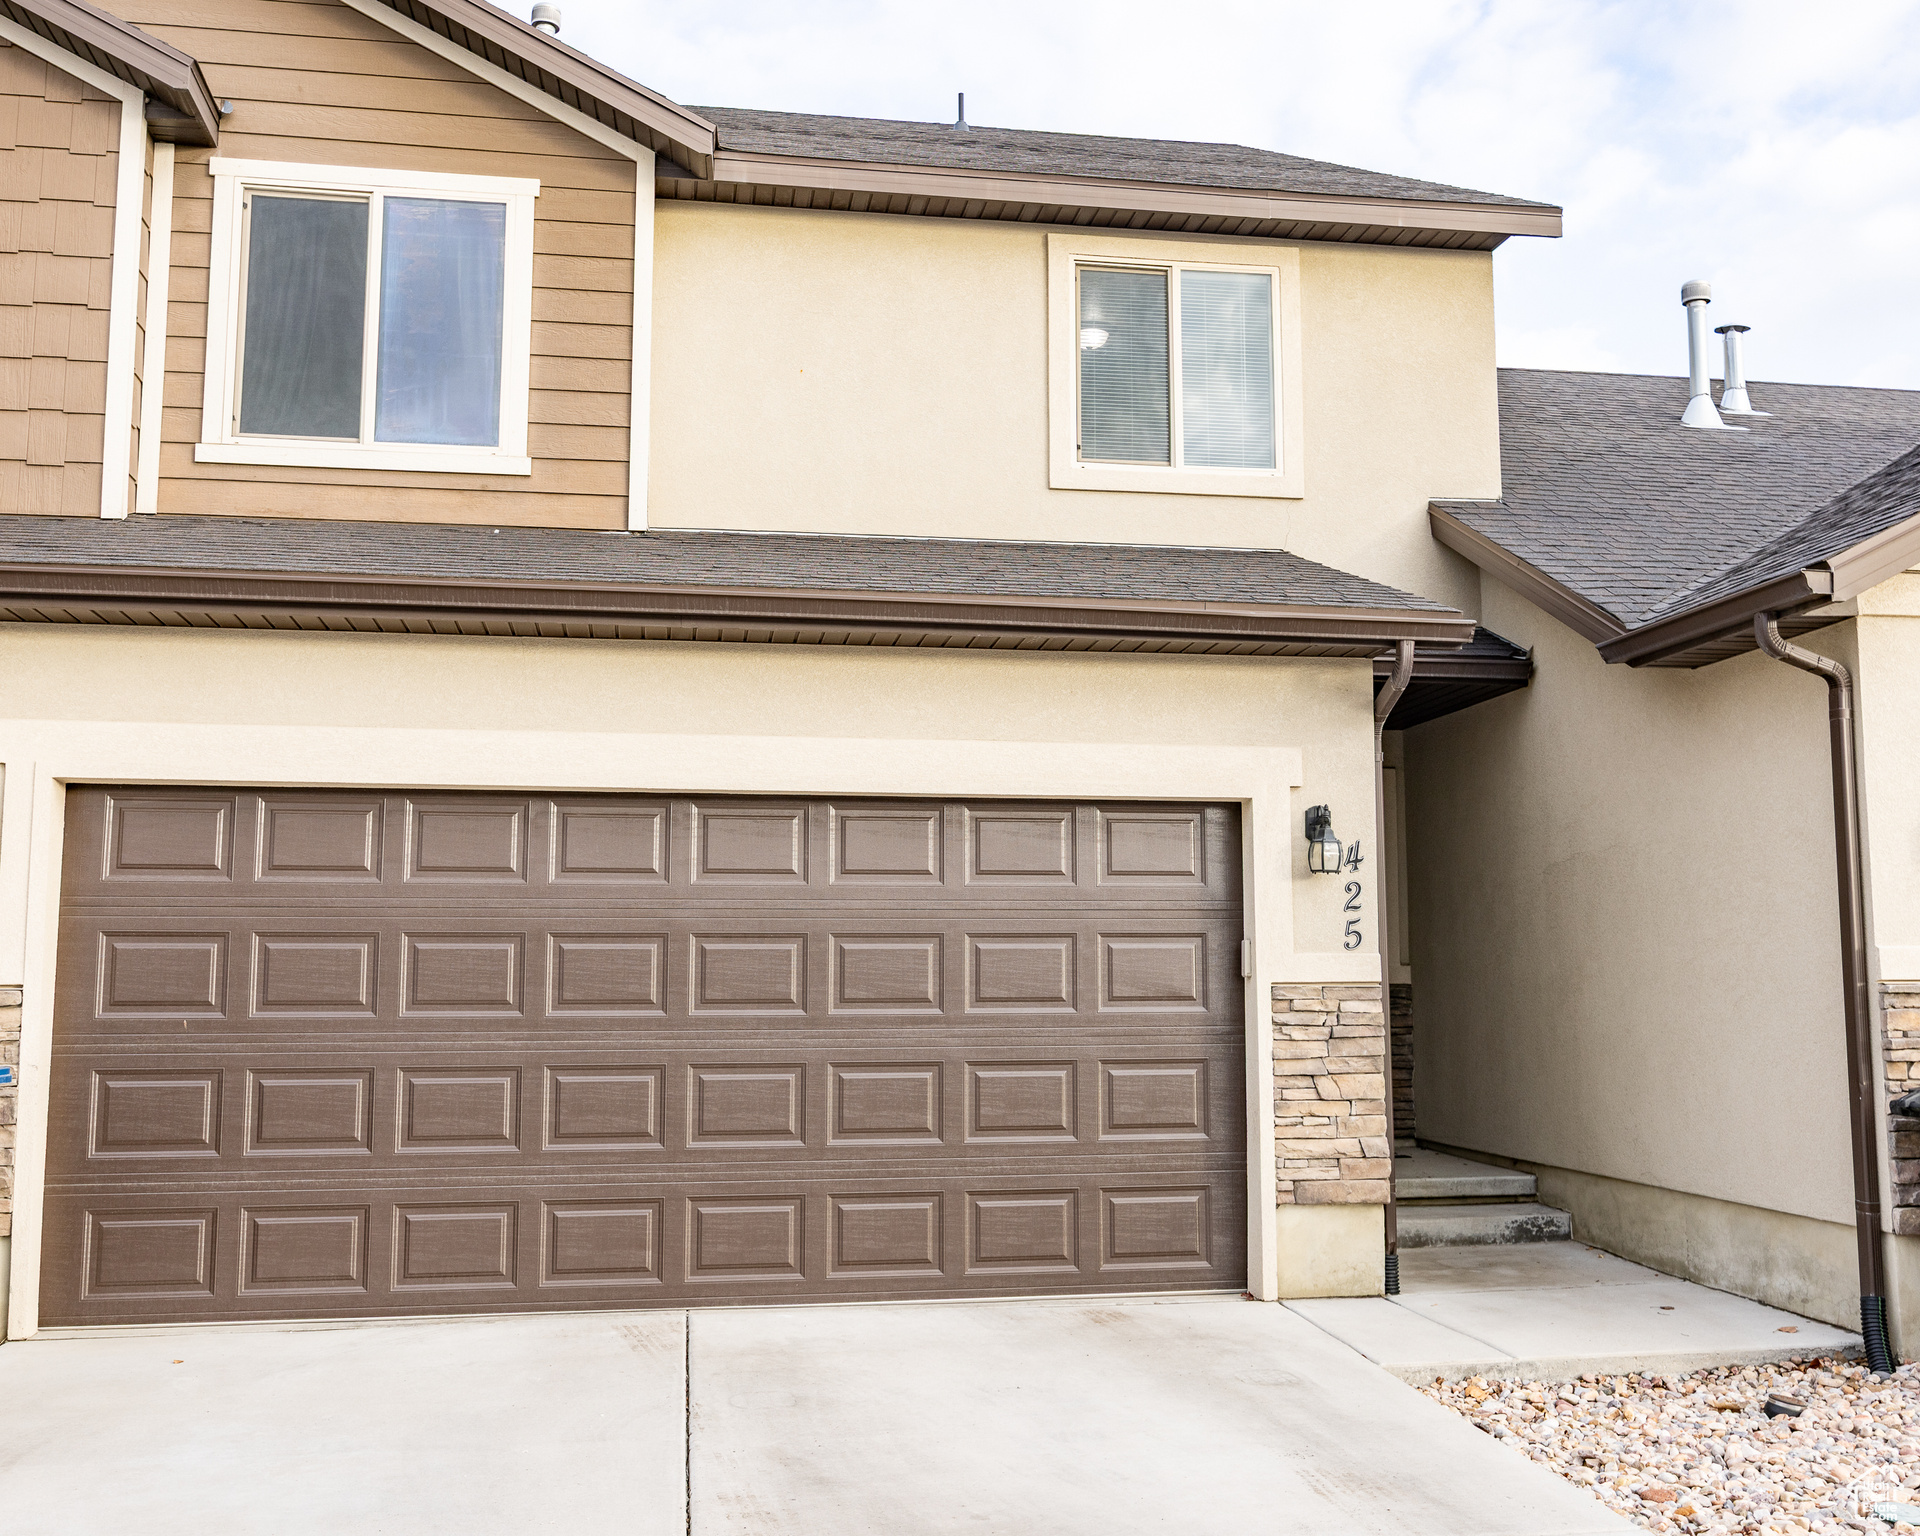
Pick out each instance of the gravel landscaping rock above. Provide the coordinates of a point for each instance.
(1698, 1453)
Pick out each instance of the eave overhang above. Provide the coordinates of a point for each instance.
(792, 181)
(1445, 682)
(1587, 619)
(180, 107)
(167, 598)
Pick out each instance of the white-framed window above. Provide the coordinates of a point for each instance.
(1173, 367)
(367, 319)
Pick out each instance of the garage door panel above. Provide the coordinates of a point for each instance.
(326, 1053)
(565, 1106)
(460, 1248)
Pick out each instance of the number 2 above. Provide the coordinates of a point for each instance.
(1353, 897)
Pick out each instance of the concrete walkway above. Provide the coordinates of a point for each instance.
(1554, 1311)
(1176, 1417)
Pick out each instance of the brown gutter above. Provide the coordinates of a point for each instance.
(1863, 1121)
(94, 587)
(1383, 703)
(1587, 619)
(1671, 637)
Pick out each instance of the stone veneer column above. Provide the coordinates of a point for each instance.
(1900, 1052)
(1329, 1095)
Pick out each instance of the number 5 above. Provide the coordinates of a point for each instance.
(1352, 940)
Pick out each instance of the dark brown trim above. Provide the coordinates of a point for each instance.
(47, 590)
(1731, 617)
(1466, 669)
(1584, 618)
(127, 53)
(859, 186)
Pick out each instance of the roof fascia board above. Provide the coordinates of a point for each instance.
(494, 75)
(1461, 668)
(1586, 619)
(1656, 643)
(93, 585)
(750, 169)
(151, 65)
(1875, 559)
(685, 130)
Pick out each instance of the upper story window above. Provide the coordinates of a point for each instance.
(1172, 374)
(365, 319)
(1176, 367)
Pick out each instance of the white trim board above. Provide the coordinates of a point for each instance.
(1067, 251)
(220, 439)
(153, 357)
(640, 383)
(116, 448)
(42, 757)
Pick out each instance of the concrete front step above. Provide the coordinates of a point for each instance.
(1462, 1226)
(1426, 1175)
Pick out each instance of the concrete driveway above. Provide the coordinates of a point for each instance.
(1190, 1416)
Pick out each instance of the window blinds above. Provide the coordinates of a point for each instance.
(1226, 370)
(1124, 399)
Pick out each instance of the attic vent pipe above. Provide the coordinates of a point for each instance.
(546, 17)
(960, 121)
(1733, 393)
(1696, 295)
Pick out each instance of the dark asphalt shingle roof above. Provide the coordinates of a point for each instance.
(976, 568)
(1888, 496)
(1034, 153)
(1605, 491)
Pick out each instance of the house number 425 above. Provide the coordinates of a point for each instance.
(1353, 937)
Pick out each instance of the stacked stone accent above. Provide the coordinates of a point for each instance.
(9, 1098)
(1329, 1095)
(1900, 1051)
(1400, 1016)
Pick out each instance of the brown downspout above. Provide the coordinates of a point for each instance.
(1864, 1122)
(1383, 703)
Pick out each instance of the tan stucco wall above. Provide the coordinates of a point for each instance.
(870, 374)
(181, 707)
(1624, 925)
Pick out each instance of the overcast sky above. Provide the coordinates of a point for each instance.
(1770, 147)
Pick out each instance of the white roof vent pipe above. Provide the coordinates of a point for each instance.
(1733, 393)
(1696, 296)
(546, 16)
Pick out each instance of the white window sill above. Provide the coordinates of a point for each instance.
(446, 461)
(1076, 476)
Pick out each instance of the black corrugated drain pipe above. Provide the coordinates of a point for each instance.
(1863, 1119)
(1383, 703)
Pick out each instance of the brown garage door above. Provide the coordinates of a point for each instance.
(324, 1053)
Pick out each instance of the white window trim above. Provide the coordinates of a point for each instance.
(1068, 251)
(220, 443)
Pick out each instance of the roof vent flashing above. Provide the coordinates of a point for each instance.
(1696, 294)
(1733, 393)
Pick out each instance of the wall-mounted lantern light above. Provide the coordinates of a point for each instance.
(1324, 851)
